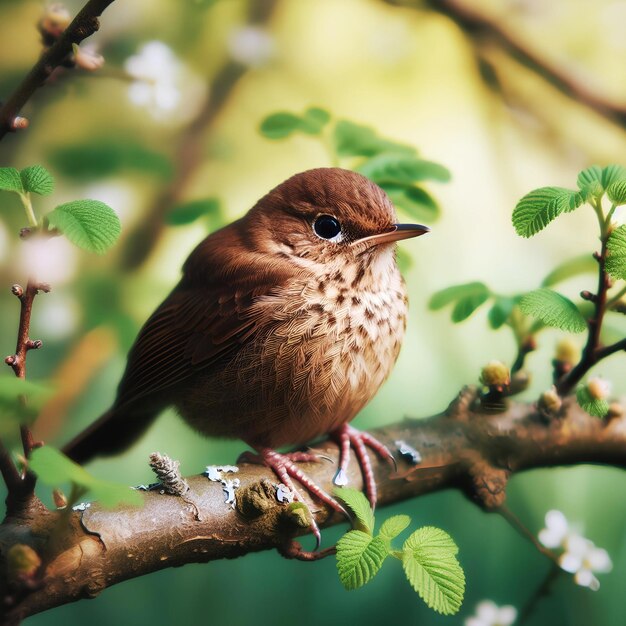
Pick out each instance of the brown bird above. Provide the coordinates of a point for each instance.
(283, 327)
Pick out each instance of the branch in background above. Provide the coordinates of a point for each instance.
(188, 155)
(84, 25)
(474, 452)
(480, 26)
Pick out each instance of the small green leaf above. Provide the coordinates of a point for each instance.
(189, 212)
(280, 125)
(37, 179)
(500, 311)
(10, 180)
(590, 182)
(13, 390)
(553, 309)
(584, 264)
(612, 173)
(54, 469)
(89, 224)
(359, 557)
(359, 505)
(541, 206)
(314, 120)
(356, 140)
(414, 201)
(430, 564)
(616, 253)
(393, 526)
(617, 192)
(467, 298)
(399, 169)
(597, 407)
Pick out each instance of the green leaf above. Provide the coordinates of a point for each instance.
(616, 253)
(54, 469)
(539, 207)
(467, 298)
(553, 310)
(107, 156)
(359, 557)
(612, 173)
(356, 140)
(399, 169)
(10, 180)
(414, 201)
(21, 399)
(89, 224)
(617, 192)
(430, 564)
(500, 311)
(393, 526)
(280, 125)
(314, 120)
(189, 212)
(584, 264)
(359, 505)
(37, 179)
(590, 182)
(597, 407)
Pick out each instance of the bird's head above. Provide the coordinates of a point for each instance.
(327, 215)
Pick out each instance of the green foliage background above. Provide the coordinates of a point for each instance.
(412, 75)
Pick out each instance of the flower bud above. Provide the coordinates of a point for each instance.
(550, 401)
(22, 561)
(599, 388)
(55, 20)
(567, 352)
(495, 374)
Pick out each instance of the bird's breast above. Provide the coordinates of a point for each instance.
(323, 347)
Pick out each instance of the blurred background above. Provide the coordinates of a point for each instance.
(509, 95)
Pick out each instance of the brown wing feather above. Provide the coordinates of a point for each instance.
(204, 319)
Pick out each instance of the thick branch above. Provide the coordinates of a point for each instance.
(471, 451)
(84, 25)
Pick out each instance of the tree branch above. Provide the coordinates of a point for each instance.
(84, 25)
(471, 451)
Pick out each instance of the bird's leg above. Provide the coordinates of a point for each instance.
(348, 437)
(284, 466)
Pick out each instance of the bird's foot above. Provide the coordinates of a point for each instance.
(284, 466)
(348, 437)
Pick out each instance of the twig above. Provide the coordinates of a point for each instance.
(84, 24)
(541, 591)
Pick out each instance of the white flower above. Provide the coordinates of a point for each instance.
(490, 614)
(48, 260)
(87, 58)
(582, 558)
(156, 69)
(57, 316)
(251, 46)
(556, 530)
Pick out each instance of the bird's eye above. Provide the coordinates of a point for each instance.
(327, 227)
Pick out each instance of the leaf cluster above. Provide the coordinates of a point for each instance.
(392, 165)
(89, 224)
(428, 555)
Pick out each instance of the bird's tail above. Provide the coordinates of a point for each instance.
(110, 434)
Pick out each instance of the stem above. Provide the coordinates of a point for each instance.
(28, 207)
(84, 24)
(591, 353)
(541, 591)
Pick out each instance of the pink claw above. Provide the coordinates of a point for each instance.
(348, 437)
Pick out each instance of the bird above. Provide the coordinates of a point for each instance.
(284, 325)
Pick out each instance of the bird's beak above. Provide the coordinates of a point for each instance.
(398, 232)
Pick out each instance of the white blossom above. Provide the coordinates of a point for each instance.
(87, 58)
(251, 45)
(580, 556)
(156, 69)
(57, 316)
(49, 260)
(488, 613)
